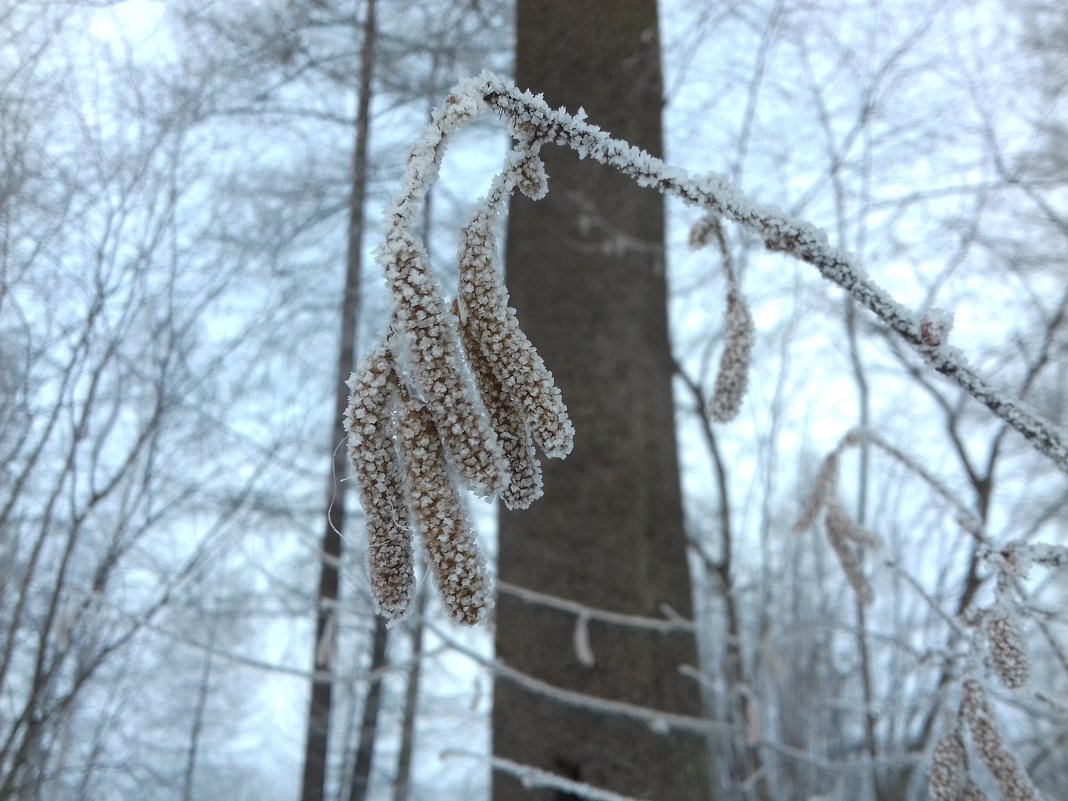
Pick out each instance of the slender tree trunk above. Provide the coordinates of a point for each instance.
(198, 716)
(403, 781)
(871, 742)
(317, 741)
(586, 271)
(368, 731)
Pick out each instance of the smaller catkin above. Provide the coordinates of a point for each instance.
(377, 472)
(849, 529)
(839, 527)
(1010, 777)
(516, 363)
(949, 765)
(429, 341)
(732, 379)
(733, 376)
(451, 547)
(821, 491)
(525, 485)
(1006, 649)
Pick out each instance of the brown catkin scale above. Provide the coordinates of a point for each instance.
(525, 484)
(380, 485)
(1010, 777)
(1006, 649)
(971, 792)
(517, 365)
(838, 525)
(949, 764)
(453, 552)
(430, 344)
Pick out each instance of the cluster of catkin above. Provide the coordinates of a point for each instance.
(848, 538)
(453, 397)
(949, 778)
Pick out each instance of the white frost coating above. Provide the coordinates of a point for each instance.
(532, 778)
(583, 649)
(935, 325)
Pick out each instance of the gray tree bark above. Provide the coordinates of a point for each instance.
(585, 268)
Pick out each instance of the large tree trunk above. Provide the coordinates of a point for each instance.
(586, 270)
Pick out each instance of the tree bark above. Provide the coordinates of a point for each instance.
(403, 781)
(317, 741)
(586, 270)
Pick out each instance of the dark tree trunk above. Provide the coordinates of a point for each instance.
(586, 270)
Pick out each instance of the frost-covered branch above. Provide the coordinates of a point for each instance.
(591, 613)
(531, 777)
(486, 399)
(779, 231)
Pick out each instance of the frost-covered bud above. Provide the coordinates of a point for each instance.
(1010, 777)
(949, 764)
(824, 486)
(733, 376)
(840, 530)
(1006, 649)
(451, 547)
(429, 340)
(375, 467)
(524, 485)
(517, 365)
(531, 178)
(935, 326)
